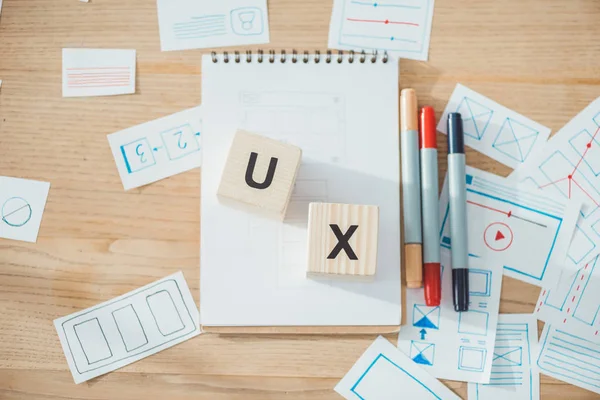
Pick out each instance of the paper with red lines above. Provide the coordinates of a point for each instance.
(400, 27)
(527, 231)
(98, 72)
(568, 167)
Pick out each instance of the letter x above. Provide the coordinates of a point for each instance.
(343, 239)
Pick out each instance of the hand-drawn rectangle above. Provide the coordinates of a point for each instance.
(165, 313)
(92, 340)
(130, 327)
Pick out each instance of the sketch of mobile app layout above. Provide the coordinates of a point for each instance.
(158, 149)
(573, 306)
(199, 24)
(22, 203)
(97, 72)
(383, 372)
(569, 358)
(569, 168)
(494, 130)
(451, 345)
(514, 372)
(400, 27)
(502, 220)
(128, 328)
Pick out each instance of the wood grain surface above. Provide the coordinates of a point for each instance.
(538, 57)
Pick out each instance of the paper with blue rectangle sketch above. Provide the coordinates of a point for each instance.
(568, 167)
(22, 203)
(128, 328)
(400, 27)
(452, 345)
(97, 72)
(515, 374)
(200, 24)
(158, 149)
(384, 373)
(349, 140)
(569, 358)
(494, 130)
(502, 219)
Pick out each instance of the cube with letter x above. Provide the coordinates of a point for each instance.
(342, 240)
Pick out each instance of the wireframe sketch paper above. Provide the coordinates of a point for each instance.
(22, 203)
(400, 28)
(569, 168)
(502, 219)
(515, 374)
(199, 24)
(452, 345)
(574, 304)
(569, 358)
(158, 149)
(383, 372)
(494, 130)
(128, 328)
(97, 72)
(262, 260)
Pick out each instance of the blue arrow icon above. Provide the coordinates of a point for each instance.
(423, 332)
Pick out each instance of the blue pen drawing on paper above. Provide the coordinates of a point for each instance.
(515, 139)
(200, 27)
(476, 117)
(471, 358)
(422, 352)
(16, 212)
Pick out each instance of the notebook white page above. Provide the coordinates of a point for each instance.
(345, 118)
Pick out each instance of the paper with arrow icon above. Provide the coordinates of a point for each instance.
(451, 345)
(158, 149)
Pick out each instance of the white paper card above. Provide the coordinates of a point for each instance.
(494, 130)
(452, 345)
(515, 374)
(22, 203)
(384, 373)
(158, 149)
(128, 328)
(199, 24)
(97, 72)
(310, 106)
(569, 358)
(502, 221)
(403, 29)
(568, 167)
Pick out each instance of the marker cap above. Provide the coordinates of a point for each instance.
(408, 107)
(460, 289)
(427, 128)
(433, 284)
(456, 136)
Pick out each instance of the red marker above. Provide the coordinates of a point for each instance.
(432, 279)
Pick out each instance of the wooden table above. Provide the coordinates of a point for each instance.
(540, 58)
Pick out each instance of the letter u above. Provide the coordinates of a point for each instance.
(250, 172)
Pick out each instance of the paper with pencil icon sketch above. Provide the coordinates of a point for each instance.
(451, 345)
(383, 372)
(494, 130)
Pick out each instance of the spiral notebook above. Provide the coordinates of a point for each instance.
(342, 110)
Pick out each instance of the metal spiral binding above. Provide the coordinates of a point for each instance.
(316, 57)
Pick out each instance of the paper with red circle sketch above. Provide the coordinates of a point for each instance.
(528, 232)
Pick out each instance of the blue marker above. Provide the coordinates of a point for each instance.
(458, 212)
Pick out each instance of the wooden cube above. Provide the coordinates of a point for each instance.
(260, 172)
(342, 240)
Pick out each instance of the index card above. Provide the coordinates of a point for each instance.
(158, 149)
(502, 219)
(402, 29)
(199, 24)
(22, 203)
(494, 130)
(98, 72)
(383, 372)
(514, 372)
(128, 328)
(452, 345)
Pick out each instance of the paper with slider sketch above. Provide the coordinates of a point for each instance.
(158, 149)
(515, 374)
(402, 29)
(503, 219)
(97, 72)
(199, 24)
(452, 345)
(128, 328)
(22, 203)
(494, 130)
(383, 372)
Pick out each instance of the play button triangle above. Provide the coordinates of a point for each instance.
(499, 236)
